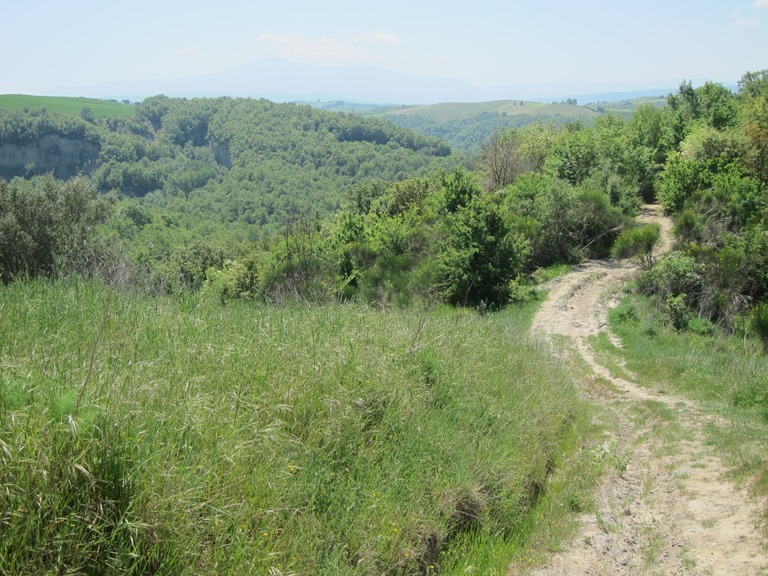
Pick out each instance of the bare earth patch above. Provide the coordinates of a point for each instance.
(667, 508)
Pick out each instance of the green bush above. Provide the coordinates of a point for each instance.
(680, 178)
(47, 227)
(480, 256)
(677, 311)
(701, 326)
(522, 291)
(759, 323)
(238, 279)
(563, 223)
(638, 245)
(673, 275)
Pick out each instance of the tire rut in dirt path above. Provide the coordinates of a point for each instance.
(666, 508)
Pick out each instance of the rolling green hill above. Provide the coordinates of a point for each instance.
(449, 111)
(466, 126)
(66, 105)
(626, 107)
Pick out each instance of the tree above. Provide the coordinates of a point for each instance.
(645, 129)
(755, 114)
(154, 109)
(503, 160)
(574, 153)
(754, 84)
(682, 108)
(536, 142)
(88, 115)
(717, 105)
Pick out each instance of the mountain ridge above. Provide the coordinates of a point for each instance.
(284, 80)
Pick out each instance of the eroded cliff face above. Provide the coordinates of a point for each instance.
(65, 157)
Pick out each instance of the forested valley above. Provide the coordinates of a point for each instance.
(238, 336)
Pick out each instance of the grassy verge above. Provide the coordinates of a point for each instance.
(727, 375)
(174, 437)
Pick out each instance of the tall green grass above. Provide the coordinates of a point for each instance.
(160, 436)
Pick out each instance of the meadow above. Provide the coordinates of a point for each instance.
(66, 105)
(175, 436)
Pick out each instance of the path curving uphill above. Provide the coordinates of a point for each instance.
(670, 509)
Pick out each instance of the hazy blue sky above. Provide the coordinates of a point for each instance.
(584, 45)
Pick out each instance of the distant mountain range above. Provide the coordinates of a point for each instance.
(283, 80)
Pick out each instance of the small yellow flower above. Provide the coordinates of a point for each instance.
(265, 534)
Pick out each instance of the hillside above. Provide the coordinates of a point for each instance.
(67, 105)
(448, 111)
(626, 108)
(466, 126)
(249, 337)
(271, 157)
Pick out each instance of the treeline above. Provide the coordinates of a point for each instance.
(240, 198)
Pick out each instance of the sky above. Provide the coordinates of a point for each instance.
(588, 45)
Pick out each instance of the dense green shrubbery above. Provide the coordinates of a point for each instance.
(716, 190)
(48, 228)
(563, 223)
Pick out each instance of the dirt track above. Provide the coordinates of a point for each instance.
(668, 508)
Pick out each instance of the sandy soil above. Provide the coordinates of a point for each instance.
(667, 508)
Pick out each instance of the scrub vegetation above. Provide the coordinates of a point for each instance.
(246, 337)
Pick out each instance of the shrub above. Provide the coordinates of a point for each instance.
(680, 178)
(701, 326)
(675, 274)
(236, 280)
(480, 257)
(759, 323)
(638, 244)
(677, 311)
(522, 290)
(47, 227)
